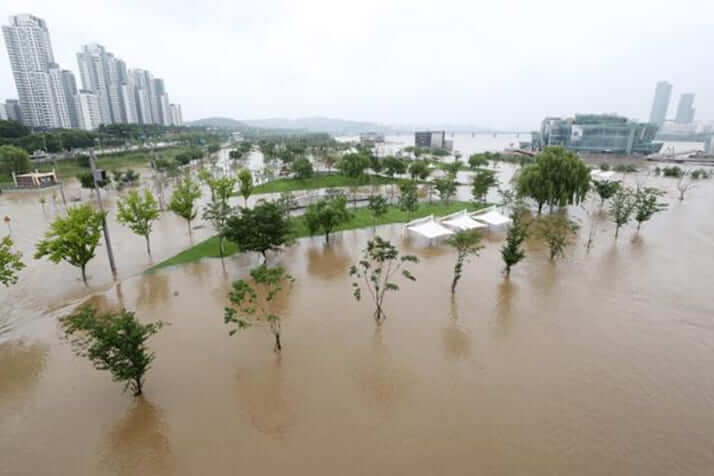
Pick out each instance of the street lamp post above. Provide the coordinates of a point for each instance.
(107, 240)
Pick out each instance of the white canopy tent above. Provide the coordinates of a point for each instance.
(602, 174)
(428, 228)
(491, 218)
(461, 221)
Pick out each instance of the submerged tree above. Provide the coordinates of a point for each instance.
(621, 208)
(605, 190)
(408, 200)
(557, 231)
(512, 251)
(255, 301)
(379, 264)
(217, 213)
(467, 243)
(446, 186)
(183, 200)
(483, 180)
(139, 214)
(73, 238)
(683, 184)
(646, 204)
(378, 206)
(113, 341)
(261, 229)
(327, 215)
(245, 185)
(10, 262)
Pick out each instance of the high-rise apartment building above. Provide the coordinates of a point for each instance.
(660, 105)
(176, 115)
(88, 110)
(42, 100)
(685, 110)
(12, 108)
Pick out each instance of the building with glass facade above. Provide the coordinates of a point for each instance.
(599, 133)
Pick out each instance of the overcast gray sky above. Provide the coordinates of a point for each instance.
(501, 64)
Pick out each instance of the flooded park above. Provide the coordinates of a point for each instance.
(599, 363)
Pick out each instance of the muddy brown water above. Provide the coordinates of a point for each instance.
(600, 364)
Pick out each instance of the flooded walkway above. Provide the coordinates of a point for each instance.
(600, 364)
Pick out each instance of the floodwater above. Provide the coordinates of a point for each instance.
(599, 364)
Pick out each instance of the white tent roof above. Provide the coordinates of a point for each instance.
(492, 218)
(602, 174)
(428, 228)
(461, 221)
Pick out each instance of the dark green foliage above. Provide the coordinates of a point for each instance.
(467, 243)
(113, 341)
(378, 206)
(482, 181)
(138, 213)
(262, 228)
(379, 265)
(87, 181)
(558, 178)
(183, 200)
(327, 214)
(353, 165)
(419, 169)
(646, 204)
(394, 166)
(408, 200)
(557, 231)
(605, 167)
(13, 159)
(213, 148)
(12, 129)
(245, 184)
(477, 161)
(625, 168)
(512, 251)
(621, 208)
(254, 301)
(10, 262)
(446, 186)
(73, 238)
(302, 168)
(605, 189)
(701, 173)
(452, 168)
(673, 171)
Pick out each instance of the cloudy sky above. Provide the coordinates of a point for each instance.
(503, 64)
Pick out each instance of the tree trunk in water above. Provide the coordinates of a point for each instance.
(327, 237)
(265, 256)
(84, 276)
(540, 208)
(189, 226)
(617, 230)
(148, 245)
(508, 271)
(138, 385)
(278, 346)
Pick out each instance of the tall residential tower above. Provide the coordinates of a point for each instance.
(685, 110)
(44, 101)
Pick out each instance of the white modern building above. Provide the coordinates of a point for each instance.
(39, 82)
(89, 110)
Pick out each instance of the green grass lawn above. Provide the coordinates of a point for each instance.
(322, 181)
(362, 218)
(121, 160)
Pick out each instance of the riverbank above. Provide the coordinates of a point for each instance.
(361, 218)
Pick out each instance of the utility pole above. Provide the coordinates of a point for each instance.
(157, 174)
(107, 240)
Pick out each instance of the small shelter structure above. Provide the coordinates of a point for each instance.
(491, 218)
(428, 227)
(35, 179)
(461, 221)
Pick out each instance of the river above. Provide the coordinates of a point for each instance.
(599, 364)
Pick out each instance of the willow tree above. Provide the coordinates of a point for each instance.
(512, 251)
(380, 264)
(467, 243)
(557, 231)
(557, 178)
(255, 301)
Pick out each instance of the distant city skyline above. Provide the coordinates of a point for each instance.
(48, 96)
(396, 62)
